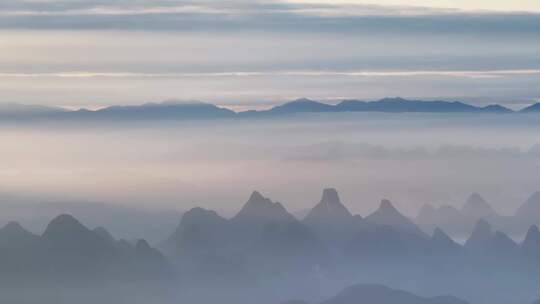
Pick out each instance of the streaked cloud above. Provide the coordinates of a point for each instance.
(297, 16)
(73, 52)
(419, 73)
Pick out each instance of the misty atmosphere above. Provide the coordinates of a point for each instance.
(269, 152)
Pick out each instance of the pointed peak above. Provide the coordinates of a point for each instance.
(259, 207)
(329, 210)
(330, 196)
(531, 244)
(477, 207)
(388, 215)
(256, 196)
(530, 207)
(481, 235)
(386, 205)
(476, 199)
(532, 233)
(257, 200)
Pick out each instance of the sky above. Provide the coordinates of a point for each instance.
(246, 54)
(254, 54)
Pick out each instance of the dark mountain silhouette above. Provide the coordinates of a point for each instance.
(65, 233)
(274, 238)
(481, 236)
(35, 215)
(385, 243)
(388, 215)
(200, 232)
(164, 110)
(458, 221)
(176, 110)
(403, 105)
(13, 235)
(442, 243)
(378, 294)
(531, 244)
(264, 248)
(68, 250)
(288, 247)
(332, 221)
(302, 105)
(390, 105)
(104, 234)
(16, 110)
(532, 108)
(496, 109)
(502, 244)
(530, 210)
(328, 211)
(477, 208)
(259, 211)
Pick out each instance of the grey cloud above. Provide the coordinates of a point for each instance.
(256, 15)
(347, 151)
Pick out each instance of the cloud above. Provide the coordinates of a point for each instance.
(307, 73)
(256, 15)
(350, 151)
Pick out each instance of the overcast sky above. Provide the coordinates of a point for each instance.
(254, 53)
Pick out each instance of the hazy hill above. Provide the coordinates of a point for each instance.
(264, 248)
(388, 105)
(388, 215)
(530, 210)
(378, 294)
(194, 110)
(460, 222)
(121, 220)
(532, 108)
(403, 105)
(17, 110)
(156, 111)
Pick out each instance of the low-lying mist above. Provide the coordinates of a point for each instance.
(411, 159)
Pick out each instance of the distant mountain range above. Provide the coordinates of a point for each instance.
(264, 248)
(379, 294)
(69, 250)
(172, 110)
(35, 214)
(459, 222)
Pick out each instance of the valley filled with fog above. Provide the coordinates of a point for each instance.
(413, 159)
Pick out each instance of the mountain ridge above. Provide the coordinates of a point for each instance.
(177, 110)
